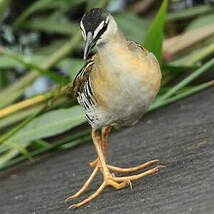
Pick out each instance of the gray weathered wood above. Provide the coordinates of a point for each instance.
(180, 135)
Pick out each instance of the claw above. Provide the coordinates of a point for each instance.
(94, 195)
(133, 169)
(84, 187)
(112, 180)
(109, 179)
(141, 175)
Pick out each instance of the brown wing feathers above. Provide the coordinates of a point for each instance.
(81, 78)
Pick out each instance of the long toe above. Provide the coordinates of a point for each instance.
(91, 197)
(132, 169)
(85, 186)
(110, 180)
(140, 175)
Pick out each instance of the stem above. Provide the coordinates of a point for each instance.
(178, 43)
(72, 142)
(187, 80)
(24, 104)
(195, 56)
(182, 95)
(202, 54)
(24, 113)
(187, 13)
(20, 84)
(7, 100)
(66, 49)
(21, 125)
(21, 115)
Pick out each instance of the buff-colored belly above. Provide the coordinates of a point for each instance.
(122, 97)
(124, 85)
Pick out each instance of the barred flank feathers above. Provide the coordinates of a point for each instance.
(83, 89)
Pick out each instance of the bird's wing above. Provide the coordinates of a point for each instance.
(138, 49)
(82, 77)
(134, 45)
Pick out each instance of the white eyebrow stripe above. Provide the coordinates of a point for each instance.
(98, 29)
(82, 30)
(107, 20)
(81, 25)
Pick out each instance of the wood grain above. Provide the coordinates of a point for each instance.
(180, 135)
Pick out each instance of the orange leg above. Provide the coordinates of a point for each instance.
(105, 133)
(100, 143)
(104, 143)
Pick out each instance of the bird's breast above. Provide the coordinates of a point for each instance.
(125, 81)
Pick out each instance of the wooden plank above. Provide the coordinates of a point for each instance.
(180, 135)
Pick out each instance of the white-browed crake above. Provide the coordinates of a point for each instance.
(115, 87)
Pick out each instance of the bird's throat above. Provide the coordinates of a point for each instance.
(113, 52)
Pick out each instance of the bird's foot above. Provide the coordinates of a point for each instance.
(111, 180)
(124, 170)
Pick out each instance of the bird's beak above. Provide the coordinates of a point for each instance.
(89, 44)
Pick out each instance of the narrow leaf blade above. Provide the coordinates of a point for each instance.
(154, 37)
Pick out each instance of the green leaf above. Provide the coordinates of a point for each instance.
(6, 62)
(8, 99)
(20, 148)
(69, 65)
(187, 80)
(50, 48)
(154, 37)
(7, 156)
(34, 7)
(189, 12)
(73, 141)
(4, 79)
(51, 26)
(201, 22)
(54, 76)
(178, 68)
(45, 4)
(46, 125)
(40, 144)
(196, 55)
(157, 104)
(4, 148)
(132, 26)
(49, 124)
(3, 7)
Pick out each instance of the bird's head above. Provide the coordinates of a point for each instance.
(97, 27)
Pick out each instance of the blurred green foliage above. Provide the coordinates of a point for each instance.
(44, 40)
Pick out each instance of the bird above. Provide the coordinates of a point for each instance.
(114, 88)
